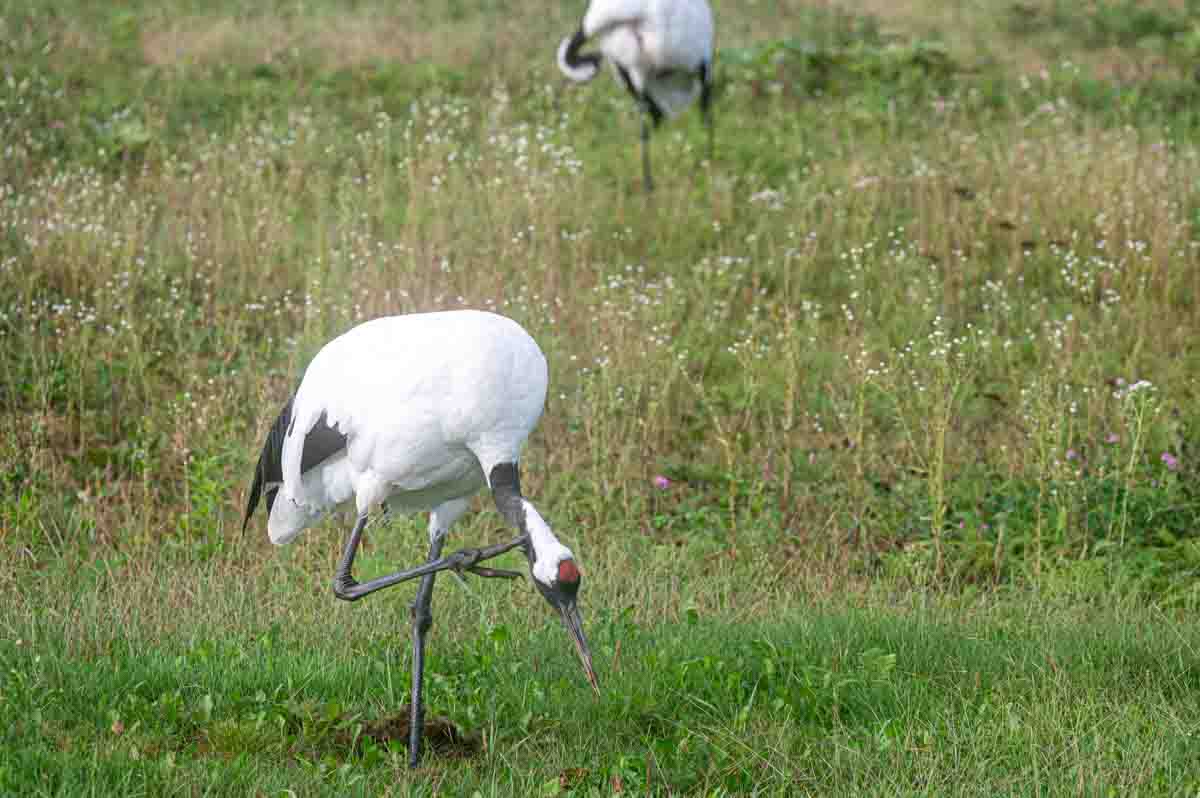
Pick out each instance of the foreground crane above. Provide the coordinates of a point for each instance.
(418, 412)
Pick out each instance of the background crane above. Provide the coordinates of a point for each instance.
(662, 50)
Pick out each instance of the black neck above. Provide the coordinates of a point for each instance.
(506, 490)
(574, 58)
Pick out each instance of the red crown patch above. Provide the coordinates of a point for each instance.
(567, 572)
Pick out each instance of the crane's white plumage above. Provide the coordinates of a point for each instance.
(660, 43)
(662, 50)
(420, 412)
(427, 403)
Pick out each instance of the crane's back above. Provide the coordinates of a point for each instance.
(417, 383)
(471, 371)
(685, 32)
(425, 405)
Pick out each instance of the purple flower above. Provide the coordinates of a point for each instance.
(661, 482)
(1072, 454)
(1170, 461)
(1112, 438)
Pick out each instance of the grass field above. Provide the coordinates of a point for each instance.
(874, 435)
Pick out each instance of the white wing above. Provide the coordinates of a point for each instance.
(605, 14)
(685, 34)
(421, 399)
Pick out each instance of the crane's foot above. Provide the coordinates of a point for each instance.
(469, 559)
(495, 573)
(345, 587)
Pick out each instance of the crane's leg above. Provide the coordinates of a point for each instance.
(651, 115)
(347, 588)
(343, 583)
(440, 520)
(706, 104)
(422, 618)
(647, 180)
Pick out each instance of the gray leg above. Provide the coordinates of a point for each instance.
(344, 586)
(347, 588)
(650, 112)
(706, 104)
(647, 180)
(422, 618)
(440, 520)
(708, 123)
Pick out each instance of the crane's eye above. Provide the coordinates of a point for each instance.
(568, 574)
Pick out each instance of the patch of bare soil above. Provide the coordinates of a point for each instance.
(440, 735)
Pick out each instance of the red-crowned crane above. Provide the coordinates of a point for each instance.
(662, 50)
(419, 412)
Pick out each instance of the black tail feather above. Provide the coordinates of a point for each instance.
(270, 464)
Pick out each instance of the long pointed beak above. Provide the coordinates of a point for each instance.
(571, 620)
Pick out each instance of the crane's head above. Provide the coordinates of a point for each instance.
(562, 591)
(561, 587)
(557, 578)
(579, 67)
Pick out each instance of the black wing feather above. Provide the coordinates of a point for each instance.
(321, 443)
(270, 463)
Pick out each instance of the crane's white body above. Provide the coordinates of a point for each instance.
(428, 404)
(661, 44)
(418, 411)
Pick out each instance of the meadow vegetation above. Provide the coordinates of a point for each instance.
(875, 434)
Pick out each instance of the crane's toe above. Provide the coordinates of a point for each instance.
(344, 587)
(494, 573)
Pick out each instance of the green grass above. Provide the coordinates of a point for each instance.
(914, 352)
(236, 687)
